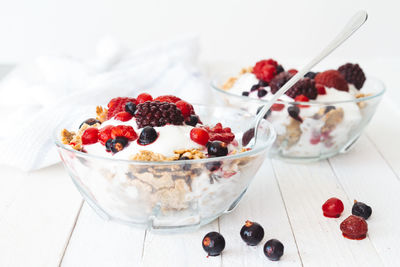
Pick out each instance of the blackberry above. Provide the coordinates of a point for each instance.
(311, 74)
(279, 69)
(279, 80)
(157, 114)
(217, 148)
(261, 93)
(147, 136)
(130, 108)
(90, 121)
(353, 74)
(245, 93)
(306, 87)
(361, 209)
(192, 120)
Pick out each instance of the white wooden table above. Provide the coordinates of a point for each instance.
(44, 222)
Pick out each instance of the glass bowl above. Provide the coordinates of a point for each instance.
(174, 195)
(327, 128)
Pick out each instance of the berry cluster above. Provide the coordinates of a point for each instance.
(252, 234)
(354, 227)
(158, 114)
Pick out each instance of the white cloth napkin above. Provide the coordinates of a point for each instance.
(37, 97)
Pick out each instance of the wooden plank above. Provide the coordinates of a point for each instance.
(96, 242)
(305, 187)
(262, 203)
(384, 132)
(366, 177)
(179, 249)
(37, 224)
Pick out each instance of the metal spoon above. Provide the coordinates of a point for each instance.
(351, 27)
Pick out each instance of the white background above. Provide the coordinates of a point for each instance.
(229, 30)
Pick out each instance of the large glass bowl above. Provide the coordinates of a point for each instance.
(328, 128)
(171, 195)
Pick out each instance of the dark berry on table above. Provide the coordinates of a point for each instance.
(213, 165)
(332, 208)
(305, 87)
(329, 108)
(213, 243)
(192, 120)
(252, 233)
(130, 107)
(273, 249)
(361, 209)
(108, 144)
(353, 74)
(90, 122)
(245, 93)
(262, 83)
(247, 136)
(118, 143)
(217, 148)
(261, 93)
(279, 80)
(294, 112)
(255, 87)
(266, 115)
(158, 114)
(147, 136)
(311, 74)
(354, 227)
(279, 69)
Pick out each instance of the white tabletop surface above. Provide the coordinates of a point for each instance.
(44, 221)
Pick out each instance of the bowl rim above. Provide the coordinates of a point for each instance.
(269, 143)
(381, 91)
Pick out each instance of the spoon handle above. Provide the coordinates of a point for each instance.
(351, 27)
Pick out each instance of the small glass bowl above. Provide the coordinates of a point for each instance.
(169, 196)
(324, 131)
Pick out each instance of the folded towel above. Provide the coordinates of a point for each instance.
(37, 97)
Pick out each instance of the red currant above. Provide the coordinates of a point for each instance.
(199, 135)
(333, 207)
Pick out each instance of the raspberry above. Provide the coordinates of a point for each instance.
(333, 207)
(158, 114)
(353, 74)
(218, 133)
(185, 107)
(123, 116)
(277, 107)
(167, 98)
(279, 80)
(117, 105)
(265, 73)
(124, 131)
(320, 89)
(105, 134)
(354, 227)
(143, 97)
(90, 136)
(332, 78)
(305, 87)
(199, 136)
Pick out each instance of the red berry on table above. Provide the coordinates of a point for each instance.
(321, 89)
(124, 131)
(123, 116)
(90, 136)
(332, 78)
(143, 97)
(117, 105)
(277, 107)
(105, 134)
(333, 207)
(185, 108)
(167, 98)
(200, 136)
(292, 71)
(354, 227)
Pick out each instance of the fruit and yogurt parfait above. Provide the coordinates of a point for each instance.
(148, 160)
(319, 116)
